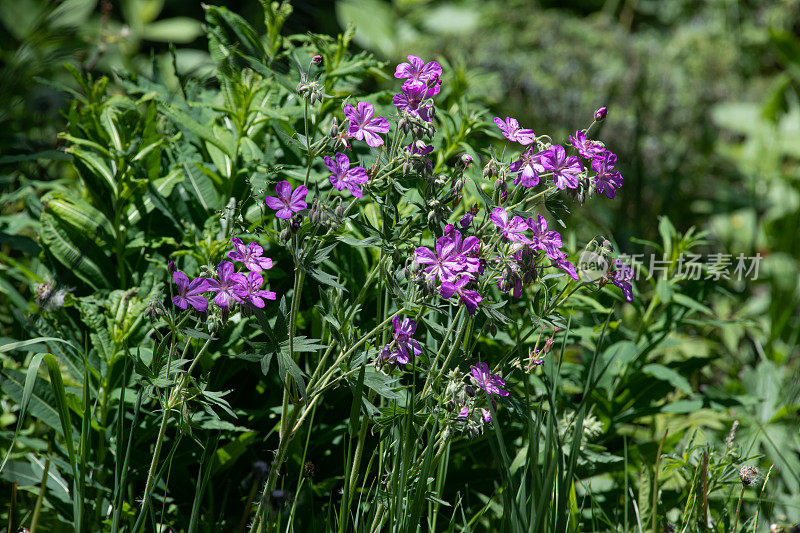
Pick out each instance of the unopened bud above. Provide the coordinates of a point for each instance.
(466, 159)
(171, 267)
(286, 234)
(600, 114)
(317, 60)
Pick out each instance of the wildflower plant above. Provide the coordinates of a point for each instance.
(374, 266)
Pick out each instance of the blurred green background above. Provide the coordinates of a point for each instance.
(703, 112)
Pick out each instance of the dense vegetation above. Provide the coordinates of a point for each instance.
(258, 272)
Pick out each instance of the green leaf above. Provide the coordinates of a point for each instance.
(669, 375)
(206, 133)
(97, 166)
(30, 380)
(663, 290)
(75, 251)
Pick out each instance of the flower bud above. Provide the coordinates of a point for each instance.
(214, 324)
(171, 267)
(301, 87)
(317, 60)
(466, 159)
(285, 235)
(297, 221)
(466, 220)
(600, 114)
(748, 475)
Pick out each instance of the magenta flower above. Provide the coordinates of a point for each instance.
(607, 180)
(250, 255)
(467, 250)
(511, 230)
(565, 169)
(226, 286)
(464, 412)
(287, 202)
(547, 241)
(491, 383)
(249, 289)
(390, 356)
(344, 176)
(469, 298)
(512, 131)
(414, 149)
(416, 71)
(444, 264)
(561, 261)
(403, 337)
(364, 125)
(622, 276)
(528, 168)
(487, 414)
(587, 148)
(410, 99)
(189, 292)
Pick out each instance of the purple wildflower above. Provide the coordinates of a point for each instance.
(424, 150)
(470, 298)
(249, 289)
(250, 255)
(344, 176)
(189, 292)
(512, 131)
(364, 125)
(547, 241)
(410, 99)
(622, 276)
(403, 336)
(607, 180)
(416, 71)
(491, 383)
(587, 148)
(511, 230)
(287, 202)
(565, 169)
(444, 264)
(226, 286)
(468, 251)
(464, 412)
(561, 261)
(487, 415)
(391, 356)
(528, 168)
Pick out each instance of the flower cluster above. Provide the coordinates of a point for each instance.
(473, 409)
(455, 263)
(528, 251)
(566, 170)
(230, 287)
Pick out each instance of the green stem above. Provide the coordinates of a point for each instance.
(40, 498)
(169, 404)
(738, 510)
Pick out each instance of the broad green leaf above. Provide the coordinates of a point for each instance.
(82, 256)
(669, 375)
